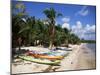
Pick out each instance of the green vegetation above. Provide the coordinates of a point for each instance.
(29, 31)
(51, 15)
(88, 41)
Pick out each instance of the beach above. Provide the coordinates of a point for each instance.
(81, 57)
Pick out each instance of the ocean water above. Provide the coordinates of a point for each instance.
(91, 46)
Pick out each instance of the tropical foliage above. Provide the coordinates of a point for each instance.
(39, 32)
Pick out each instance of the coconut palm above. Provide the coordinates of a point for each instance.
(18, 12)
(19, 9)
(27, 30)
(67, 36)
(41, 30)
(51, 15)
(74, 39)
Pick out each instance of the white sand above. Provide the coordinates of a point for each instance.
(86, 59)
(79, 58)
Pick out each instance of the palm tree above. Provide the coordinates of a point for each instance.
(67, 36)
(19, 9)
(28, 29)
(18, 12)
(74, 39)
(51, 15)
(41, 30)
(16, 21)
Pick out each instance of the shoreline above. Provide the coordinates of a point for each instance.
(79, 58)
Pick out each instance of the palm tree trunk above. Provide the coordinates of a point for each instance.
(51, 44)
(52, 36)
(19, 43)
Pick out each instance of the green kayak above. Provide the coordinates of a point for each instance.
(40, 61)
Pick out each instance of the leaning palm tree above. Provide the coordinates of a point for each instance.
(51, 15)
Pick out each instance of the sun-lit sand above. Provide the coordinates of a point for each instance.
(80, 57)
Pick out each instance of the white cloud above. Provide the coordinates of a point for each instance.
(90, 36)
(66, 19)
(87, 32)
(66, 25)
(93, 28)
(66, 22)
(77, 28)
(90, 28)
(83, 12)
(79, 24)
(82, 31)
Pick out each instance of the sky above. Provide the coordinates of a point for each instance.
(81, 19)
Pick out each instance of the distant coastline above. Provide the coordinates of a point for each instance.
(88, 41)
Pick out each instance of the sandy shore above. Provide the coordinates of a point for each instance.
(86, 58)
(80, 57)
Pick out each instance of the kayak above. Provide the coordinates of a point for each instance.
(41, 61)
(46, 56)
(64, 48)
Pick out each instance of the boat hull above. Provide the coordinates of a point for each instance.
(46, 56)
(40, 61)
